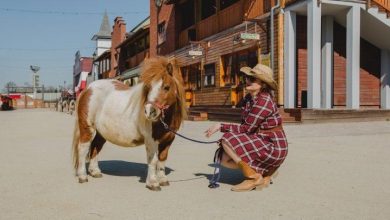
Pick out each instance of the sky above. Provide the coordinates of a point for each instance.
(48, 33)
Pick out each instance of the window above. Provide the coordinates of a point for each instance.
(208, 8)
(187, 12)
(227, 3)
(209, 78)
(162, 34)
(193, 75)
(232, 64)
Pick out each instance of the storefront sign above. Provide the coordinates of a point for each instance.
(248, 36)
(195, 53)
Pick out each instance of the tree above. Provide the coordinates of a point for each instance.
(9, 85)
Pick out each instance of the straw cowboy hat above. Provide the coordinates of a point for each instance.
(262, 72)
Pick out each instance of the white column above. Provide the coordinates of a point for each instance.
(353, 57)
(289, 59)
(313, 54)
(385, 79)
(327, 62)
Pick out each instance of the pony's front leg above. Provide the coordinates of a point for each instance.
(151, 179)
(162, 157)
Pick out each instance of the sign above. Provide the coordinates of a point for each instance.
(248, 36)
(195, 53)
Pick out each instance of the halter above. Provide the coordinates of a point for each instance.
(159, 106)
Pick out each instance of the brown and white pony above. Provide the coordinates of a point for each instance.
(110, 111)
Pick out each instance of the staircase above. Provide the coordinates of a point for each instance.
(228, 114)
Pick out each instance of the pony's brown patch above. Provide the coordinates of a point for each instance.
(120, 86)
(139, 141)
(82, 113)
(96, 145)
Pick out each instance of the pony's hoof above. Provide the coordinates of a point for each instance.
(154, 188)
(81, 180)
(97, 175)
(166, 183)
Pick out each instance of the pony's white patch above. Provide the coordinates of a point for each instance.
(151, 112)
(83, 151)
(162, 178)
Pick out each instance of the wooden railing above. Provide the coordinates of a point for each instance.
(207, 27)
(230, 16)
(223, 20)
(383, 3)
(138, 58)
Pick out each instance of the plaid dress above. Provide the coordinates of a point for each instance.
(263, 150)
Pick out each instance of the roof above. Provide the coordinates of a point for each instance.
(105, 29)
(144, 24)
(137, 29)
(103, 55)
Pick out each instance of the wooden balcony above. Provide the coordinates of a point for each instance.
(224, 19)
(138, 58)
(384, 4)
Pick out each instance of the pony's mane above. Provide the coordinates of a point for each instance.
(157, 68)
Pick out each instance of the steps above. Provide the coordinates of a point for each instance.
(197, 116)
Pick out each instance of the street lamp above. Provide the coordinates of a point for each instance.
(35, 79)
(94, 69)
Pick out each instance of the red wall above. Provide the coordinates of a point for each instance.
(369, 67)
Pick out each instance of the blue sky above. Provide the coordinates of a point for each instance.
(50, 39)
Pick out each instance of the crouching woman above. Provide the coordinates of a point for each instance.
(258, 146)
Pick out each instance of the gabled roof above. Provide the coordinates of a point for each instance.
(105, 29)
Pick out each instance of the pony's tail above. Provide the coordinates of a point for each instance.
(75, 144)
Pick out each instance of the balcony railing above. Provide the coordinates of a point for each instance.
(138, 58)
(223, 20)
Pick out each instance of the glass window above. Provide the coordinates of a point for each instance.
(209, 72)
(187, 12)
(227, 3)
(194, 76)
(208, 8)
(162, 34)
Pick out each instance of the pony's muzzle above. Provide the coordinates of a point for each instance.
(152, 113)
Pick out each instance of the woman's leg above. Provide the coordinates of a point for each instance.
(255, 179)
(227, 162)
(230, 152)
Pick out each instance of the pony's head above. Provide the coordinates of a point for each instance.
(163, 89)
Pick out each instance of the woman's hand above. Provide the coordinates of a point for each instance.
(212, 130)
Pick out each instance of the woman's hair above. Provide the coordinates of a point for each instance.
(266, 88)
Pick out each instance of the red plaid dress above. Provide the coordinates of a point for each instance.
(262, 150)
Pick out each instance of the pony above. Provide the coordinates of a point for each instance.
(109, 110)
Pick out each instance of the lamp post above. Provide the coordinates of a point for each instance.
(35, 79)
(94, 69)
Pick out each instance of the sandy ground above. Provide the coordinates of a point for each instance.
(333, 171)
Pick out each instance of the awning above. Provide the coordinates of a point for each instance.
(134, 72)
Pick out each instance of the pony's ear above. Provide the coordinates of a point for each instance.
(170, 69)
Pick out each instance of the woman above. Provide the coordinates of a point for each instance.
(258, 146)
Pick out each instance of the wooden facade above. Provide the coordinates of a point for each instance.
(213, 28)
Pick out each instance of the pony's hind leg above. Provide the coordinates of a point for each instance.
(96, 147)
(83, 149)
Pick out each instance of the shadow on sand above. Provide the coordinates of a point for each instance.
(125, 168)
(228, 176)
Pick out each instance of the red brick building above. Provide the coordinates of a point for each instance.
(317, 61)
(205, 38)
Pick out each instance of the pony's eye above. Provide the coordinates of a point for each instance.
(166, 88)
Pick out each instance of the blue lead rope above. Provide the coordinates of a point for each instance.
(217, 170)
(217, 156)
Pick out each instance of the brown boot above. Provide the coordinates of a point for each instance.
(254, 179)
